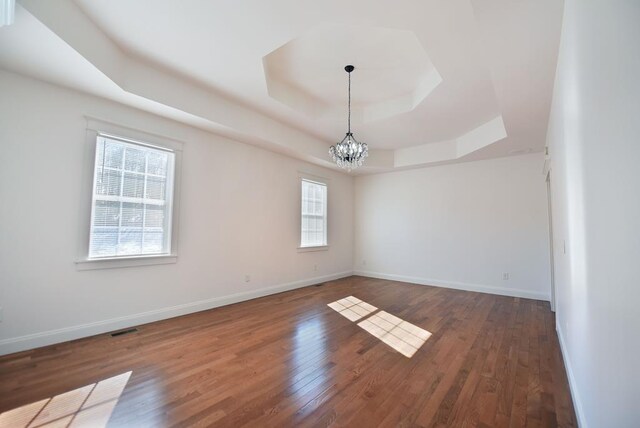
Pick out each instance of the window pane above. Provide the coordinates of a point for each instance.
(133, 186)
(152, 242)
(114, 154)
(155, 188)
(108, 182)
(130, 242)
(106, 213)
(134, 160)
(131, 205)
(132, 215)
(154, 216)
(104, 242)
(157, 163)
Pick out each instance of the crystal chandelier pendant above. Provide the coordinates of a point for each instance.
(349, 153)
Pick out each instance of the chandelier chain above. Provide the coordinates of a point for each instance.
(349, 119)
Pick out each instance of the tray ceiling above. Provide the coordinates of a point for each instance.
(435, 81)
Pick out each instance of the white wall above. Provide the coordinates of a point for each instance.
(460, 226)
(239, 215)
(594, 140)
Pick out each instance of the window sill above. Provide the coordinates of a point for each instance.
(309, 249)
(122, 262)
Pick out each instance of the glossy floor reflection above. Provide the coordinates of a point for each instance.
(309, 339)
(88, 406)
(288, 360)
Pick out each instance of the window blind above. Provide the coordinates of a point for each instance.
(132, 199)
(314, 214)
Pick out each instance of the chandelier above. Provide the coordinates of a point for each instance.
(349, 153)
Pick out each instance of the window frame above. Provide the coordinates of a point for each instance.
(318, 180)
(96, 128)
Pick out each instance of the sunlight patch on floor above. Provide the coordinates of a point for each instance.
(88, 406)
(401, 335)
(352, 308)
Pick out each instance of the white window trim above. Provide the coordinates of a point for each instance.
(97, 127)
(321, 180)
(311, 249)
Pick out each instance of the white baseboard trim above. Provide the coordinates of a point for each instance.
(512, 292)
(577, 404)
(31, 341)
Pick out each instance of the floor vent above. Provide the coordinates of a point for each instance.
(120, 333)
(321, 284)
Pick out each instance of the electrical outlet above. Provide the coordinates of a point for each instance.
(315, 267)
(247, 278)
(505, 276)
(364, 262)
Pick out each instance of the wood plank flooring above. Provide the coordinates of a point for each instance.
(289, 360)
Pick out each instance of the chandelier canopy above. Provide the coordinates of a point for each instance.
(349, 153)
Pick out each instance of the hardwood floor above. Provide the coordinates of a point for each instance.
(289, 360)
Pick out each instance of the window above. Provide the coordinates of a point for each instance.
(314, 214)
(132, 198)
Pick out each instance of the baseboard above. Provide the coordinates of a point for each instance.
(512, 292)
(577, 404)
(31, 341)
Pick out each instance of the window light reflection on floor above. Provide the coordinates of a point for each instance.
(89, 405)
(352, 308)
(401, 335)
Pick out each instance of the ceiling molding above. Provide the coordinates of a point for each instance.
(484, 135)
(138, 77)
